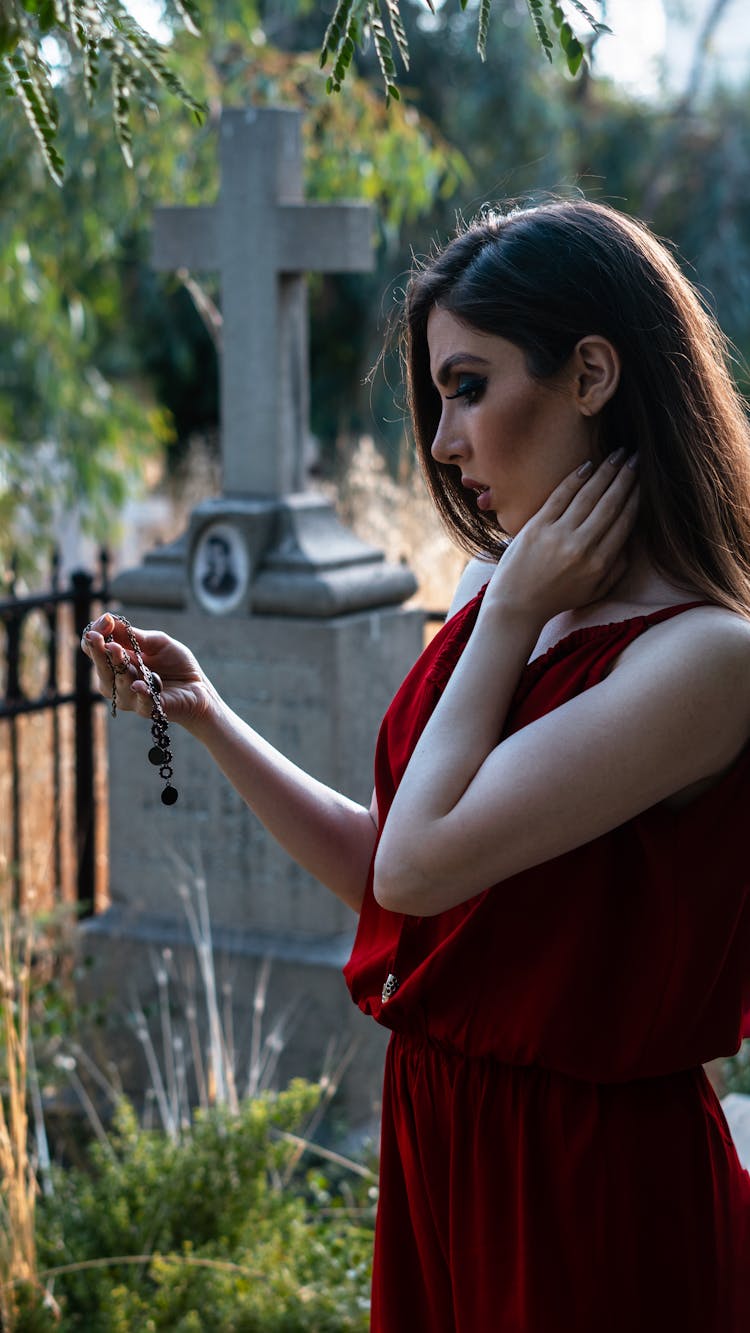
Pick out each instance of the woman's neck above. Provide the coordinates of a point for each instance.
(641, 590)
(642, 586)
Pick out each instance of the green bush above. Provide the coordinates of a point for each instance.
(229, 1245)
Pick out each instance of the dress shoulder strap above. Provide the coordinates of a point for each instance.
(667, 612)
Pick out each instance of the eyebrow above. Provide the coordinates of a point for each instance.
(458, 358)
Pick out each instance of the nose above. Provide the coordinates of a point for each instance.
(447, 445)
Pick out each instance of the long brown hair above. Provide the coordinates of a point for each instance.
(544, 278)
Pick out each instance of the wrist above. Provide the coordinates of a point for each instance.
(517, 624)
(207, 715)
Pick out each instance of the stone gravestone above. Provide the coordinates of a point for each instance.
(298, 623)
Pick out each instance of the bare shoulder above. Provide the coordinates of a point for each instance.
(475, 575)
(691, 675)
(708, 636)
(697, 666)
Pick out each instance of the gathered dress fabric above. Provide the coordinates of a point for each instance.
(553, 1156)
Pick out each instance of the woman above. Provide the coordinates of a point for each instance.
(551, 880)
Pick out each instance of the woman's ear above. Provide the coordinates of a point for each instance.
(596, 373)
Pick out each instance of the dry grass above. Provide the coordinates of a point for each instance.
(17, 1177)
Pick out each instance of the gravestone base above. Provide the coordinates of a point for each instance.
(316, 689)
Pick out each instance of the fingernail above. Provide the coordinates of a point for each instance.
(585, 468)
(616, 458)
(633, 460)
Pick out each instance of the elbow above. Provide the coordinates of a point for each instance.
(400, 886)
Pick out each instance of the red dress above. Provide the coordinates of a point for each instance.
(553, 1157)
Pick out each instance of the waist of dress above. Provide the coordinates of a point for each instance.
(415, 1045)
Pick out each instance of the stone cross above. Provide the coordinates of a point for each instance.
(262, 237)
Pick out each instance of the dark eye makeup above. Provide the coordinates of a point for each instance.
(470, 387)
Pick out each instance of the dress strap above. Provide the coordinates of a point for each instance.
(667, 612)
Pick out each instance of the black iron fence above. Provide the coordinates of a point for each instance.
(53, 775)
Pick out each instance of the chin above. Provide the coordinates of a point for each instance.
(511, 522)
(507, 528)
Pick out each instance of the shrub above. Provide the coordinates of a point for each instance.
(209, 1234)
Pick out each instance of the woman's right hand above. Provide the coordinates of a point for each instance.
(573, 551)
(185, 692)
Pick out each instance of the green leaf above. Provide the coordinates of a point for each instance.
(122, 77)
(40, 76)
(46, 18)
(596, 24)
(190, 15)
(574, 55)
(10, 29)
(337, 25)
(540, 27)
(36, 110)
(398, 30)
(566, 36)
(483, 28)
(383, 48)
(151, 54)
(90, 61)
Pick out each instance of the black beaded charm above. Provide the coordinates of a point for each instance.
(160, 754)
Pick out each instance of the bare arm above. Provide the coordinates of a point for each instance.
(674, 711)
(324, 831)
(328, 834)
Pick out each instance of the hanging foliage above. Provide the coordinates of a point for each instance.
(356, 23)
(102, 37)
(104, 43)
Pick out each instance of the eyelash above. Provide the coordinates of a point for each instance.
(470, 387)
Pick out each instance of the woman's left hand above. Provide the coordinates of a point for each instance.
(572, 551)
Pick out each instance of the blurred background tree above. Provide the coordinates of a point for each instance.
(103, 363)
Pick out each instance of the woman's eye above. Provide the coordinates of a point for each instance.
(470, 387)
